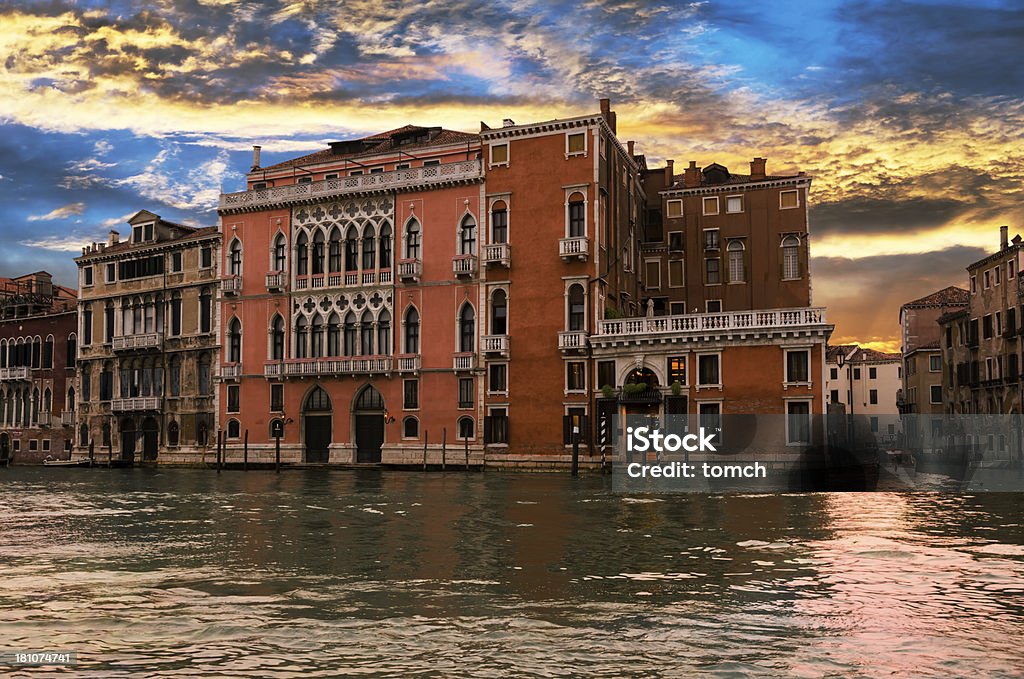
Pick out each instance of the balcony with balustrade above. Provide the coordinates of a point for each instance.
(277, 281)
(464, 266)
(577, 248)
(231, 371)
(445, 174)
(44, 419)
(67, 418)
(572, 341)
(464, 362)
(149, 340)
(17, 374)
(498, 254)
(409, 363)
(410, 270)
(495, 345)
(804, 321)
(135, 404)
(320, 367)
(231, 285)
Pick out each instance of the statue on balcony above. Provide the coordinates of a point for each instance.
(650, 308)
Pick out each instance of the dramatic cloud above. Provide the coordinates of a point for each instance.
(64, 212)
(913, 143)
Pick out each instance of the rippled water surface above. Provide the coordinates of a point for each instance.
(149, 573)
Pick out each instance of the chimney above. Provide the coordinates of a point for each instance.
(1002, 237)
(670, 178)
(606, 109)
(256, 157)
(508, 122)
(113, 238)
(629, 148)
(102, 246)
(691, 176)
(757, 168)
(611, 123)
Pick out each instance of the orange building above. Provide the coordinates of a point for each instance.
(424, 295)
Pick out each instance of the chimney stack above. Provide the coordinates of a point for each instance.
(114, 238)
(256, 157)
(757, 168)
(629, 147)
(670, 177)
(691, 176)
(612, 122)
(508, 122)
(606, 109)
(1003, 232)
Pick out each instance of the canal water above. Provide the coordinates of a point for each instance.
(161, 573)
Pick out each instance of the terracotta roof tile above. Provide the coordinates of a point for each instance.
(385, 143)
(951, 296)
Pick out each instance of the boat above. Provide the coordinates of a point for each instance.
(81, 462)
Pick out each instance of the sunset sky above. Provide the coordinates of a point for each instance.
(909, 115)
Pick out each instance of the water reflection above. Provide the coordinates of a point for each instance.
(159, 573)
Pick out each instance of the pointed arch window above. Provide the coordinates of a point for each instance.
(235, 258)
(280, 253)
(351, 249)
(277, 339)
(384, 333)
(385, 247)
(412, 240)
(318, 401)
(499, 313)
(301, 338)
(467, 240)
(318, 253)
(334, 252)
(369, 249)
(334, 335)
(467, 329)
(577, 308)
(235, 341)
(316, 337)
(412, 331)
(350, 334)
(302, 255)
(366, 334)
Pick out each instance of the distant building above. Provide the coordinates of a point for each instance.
(865, 383)
(981, 346)
(922, 354)
(148, 344)
(37, 362)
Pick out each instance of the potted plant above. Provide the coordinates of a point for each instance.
(608, 391)
(676, 388)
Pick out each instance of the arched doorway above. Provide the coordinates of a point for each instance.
(640, 393)
(150, 439)
(369, 425)
(317, 426)
(127, 439)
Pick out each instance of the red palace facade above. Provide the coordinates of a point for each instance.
(424, 295)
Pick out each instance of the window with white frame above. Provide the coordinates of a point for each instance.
(934, 364)
(734, 204)
(575, 376)
(575, 144)
(577, 215)
(709, 372)
(675, 273)
(790, 257)
(789, 199)
(674, 209)
(499, 222)
(497, 378)
(499, 154)
(711, 205)
(737, 268)
(798, 366)
(798, 422)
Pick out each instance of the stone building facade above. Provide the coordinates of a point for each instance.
(148, 343)
(921, 392)
(981, 345)
(38, 323)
